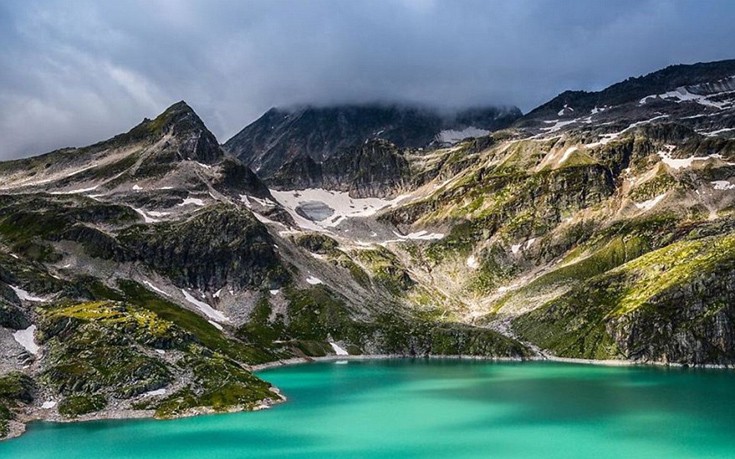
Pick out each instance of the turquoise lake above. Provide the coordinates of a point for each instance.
(435, 408)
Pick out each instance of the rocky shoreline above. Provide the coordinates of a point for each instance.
(546, 357)
(18, 427)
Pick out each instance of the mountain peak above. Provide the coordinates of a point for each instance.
(179, 116)
(181, 122)
(320, 131)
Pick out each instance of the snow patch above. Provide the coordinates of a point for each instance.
(557, 125)
(723, 185)
(597, 110)
(682, 94)
(146, 218)
(137, 187)
(681, 163)
(195, 201)
(275, 292)
(156, 289)
(263, 202)
(650, 204)
(154, 393)
(420, 236)
(343, 205)
(25, 338)
(81, 190)
(337, 349)
(208, 310)
(24, 295)
(515, 248)
(451, 136)
(314, 280)
(606, 138)
(717, 132)
(567, 153)
(216, 325)
(47, 405)
(565, 110)
(472, 262)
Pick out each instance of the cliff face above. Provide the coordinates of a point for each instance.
(673, 304)
(281, 136)
(375, 168)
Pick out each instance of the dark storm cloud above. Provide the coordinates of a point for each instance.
(74, 72)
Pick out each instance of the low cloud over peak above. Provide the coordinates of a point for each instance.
(77, 72)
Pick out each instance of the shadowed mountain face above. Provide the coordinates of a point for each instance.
(319, 133)
(148, 271)
(699, 96)
(373, 168)
(699, 79)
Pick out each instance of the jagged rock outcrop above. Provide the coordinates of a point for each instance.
(282, 135)
(187, 138)
(375, 168)
(220, 246)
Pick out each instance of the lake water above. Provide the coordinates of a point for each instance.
(436, 408)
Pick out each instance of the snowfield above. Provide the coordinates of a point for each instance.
(472, 262)
(314, 280)
(340, 204)
(146, 217)
(153, 393)
(451, 136)
(650, 204)
(195, 201)
(681, 163)
(682, 94)
(24, 295)
(155, 289)
(25, 338)
(723, 185)
(338, 350)
(208, 310)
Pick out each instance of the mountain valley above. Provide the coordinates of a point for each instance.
(149, 274)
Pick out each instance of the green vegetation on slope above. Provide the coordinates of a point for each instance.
(16, 390)
(667, 305)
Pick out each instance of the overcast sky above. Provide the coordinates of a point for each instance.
(74, 72)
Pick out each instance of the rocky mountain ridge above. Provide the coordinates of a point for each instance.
(150, 272)
(281, 136)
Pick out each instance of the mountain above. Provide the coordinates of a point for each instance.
(602, 230)
(283, 135)
(372, 168)
(697, 96)
(149, 274)
(151, 271)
